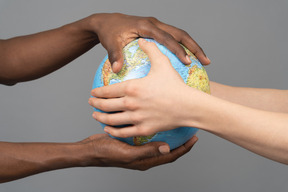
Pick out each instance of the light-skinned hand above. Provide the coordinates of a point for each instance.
(150, 104)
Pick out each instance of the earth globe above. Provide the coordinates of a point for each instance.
(137, 65)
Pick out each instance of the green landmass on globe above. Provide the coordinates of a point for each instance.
(137, 65)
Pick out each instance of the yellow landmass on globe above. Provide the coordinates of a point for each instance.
(139, 140)
(198, 79)
(106, 72)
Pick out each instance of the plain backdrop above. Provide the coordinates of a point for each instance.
(247, 43)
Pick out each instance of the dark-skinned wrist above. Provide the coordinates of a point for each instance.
(97, 20)
(68, 155)
(94, 23)
(84, 28)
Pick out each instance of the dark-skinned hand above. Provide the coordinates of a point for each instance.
(117, 30)
(109, 152)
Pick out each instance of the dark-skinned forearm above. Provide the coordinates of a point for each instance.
(20, 160)
(29, 57)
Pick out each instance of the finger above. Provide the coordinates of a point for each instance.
(180, 151)
(107, 105)
(188, 42)
(128, 131)
(190, 143)
(166, 39)
(149, 150)
(167, 158)
(157, 58)
(184, 38)
(115, 55)
(112, 91)
(119, 118)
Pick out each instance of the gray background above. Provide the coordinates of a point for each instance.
(247, 43)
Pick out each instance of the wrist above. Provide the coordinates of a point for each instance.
(94, 22)
(85, 29)
(82, 154)
(67, 155)
(199, 109)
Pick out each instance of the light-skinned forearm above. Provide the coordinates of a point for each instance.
(263, 99)
(261, 132)
(30, 57)
(20, 160)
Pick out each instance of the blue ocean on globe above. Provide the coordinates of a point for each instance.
(137, 65)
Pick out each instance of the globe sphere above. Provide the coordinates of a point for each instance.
(137, 65)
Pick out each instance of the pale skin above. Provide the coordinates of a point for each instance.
(30, 57)
(255, 119)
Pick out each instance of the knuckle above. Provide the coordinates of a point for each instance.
(97, 92)
(122, 134)
(152, 19)
(130, 89)
(129, 104)
(184, 34)
(188, 150)
(101, 105)
(144, 22)
(167, 37)
(163, 58)
(143, 131)
(146, 27)
(136, 119)
(164, 38)
(108, 120)
(180, 52)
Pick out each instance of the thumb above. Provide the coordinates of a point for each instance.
(151, 150)
(115, 57)
(157, 58)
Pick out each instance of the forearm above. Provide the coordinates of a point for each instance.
(20, 160)
(29, 57)
(263, 99)
(261, 132)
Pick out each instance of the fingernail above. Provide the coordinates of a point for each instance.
(106, 129)
(89, 101)
(188, 59)
(164, 149)
(94, 115)
(114, 65)
(208, 59)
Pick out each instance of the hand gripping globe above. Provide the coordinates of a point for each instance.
(137, 65)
